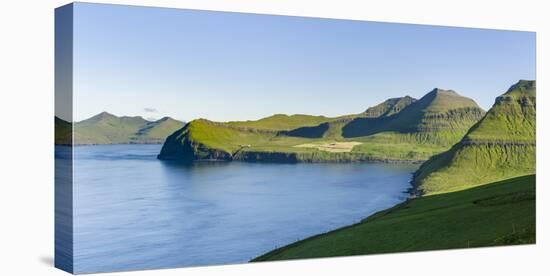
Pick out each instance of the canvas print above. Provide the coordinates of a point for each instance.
(191, 138)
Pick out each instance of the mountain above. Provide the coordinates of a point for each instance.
(332, 128)
(399, 129)
(157, 131)
(106, 128)
(282, 122)
(63, 130)
(440, 117)
(500, 146)
(389, 107)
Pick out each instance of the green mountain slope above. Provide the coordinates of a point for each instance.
(389, 107)
(156, 131)
(501, 213)
(332, 128)
(63, 132)
(431, 125)
(106, 128)
(282, 122)
(500, 146)
(440, 117)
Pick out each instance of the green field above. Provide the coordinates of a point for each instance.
(501, 213)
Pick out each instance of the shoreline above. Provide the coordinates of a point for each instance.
(522, 187)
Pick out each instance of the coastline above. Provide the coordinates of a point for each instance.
(466, 211)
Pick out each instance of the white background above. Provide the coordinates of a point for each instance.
(26, 133)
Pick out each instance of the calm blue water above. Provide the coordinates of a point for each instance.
(132, 211)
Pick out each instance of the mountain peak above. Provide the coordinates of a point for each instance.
(523, 92)
(526, 83)
(105, 114)
(101, 116)
(440, 91)
(442, 100)
(522, 87)
(165, 118)
(389, 107)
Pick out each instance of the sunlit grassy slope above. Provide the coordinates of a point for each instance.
(500, 146)
(500, 213)
(429, 126)
(282, 122)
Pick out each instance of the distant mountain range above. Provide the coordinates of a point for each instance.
(106, 128)
(399, 129)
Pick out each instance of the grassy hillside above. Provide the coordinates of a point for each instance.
(389, 107)
(430, 126)
(106, 128)
(282, 122)
(440, 117)
(63, 132)
(501, 213)
(500, 146)
(156, 131)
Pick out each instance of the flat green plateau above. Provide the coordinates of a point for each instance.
(499, 213)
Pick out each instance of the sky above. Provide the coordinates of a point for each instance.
(187, 64)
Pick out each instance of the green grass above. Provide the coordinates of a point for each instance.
(473, 165)
(501, 213)
(399, 151)
(439, 111)
(499, 146)
(283, 122)
(224, 138)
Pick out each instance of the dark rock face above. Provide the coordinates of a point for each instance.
(271, 157)
(189, 151)
(308, 132)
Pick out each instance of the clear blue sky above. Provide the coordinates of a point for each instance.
(186, 64)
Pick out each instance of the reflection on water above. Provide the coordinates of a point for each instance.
(133, 211)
